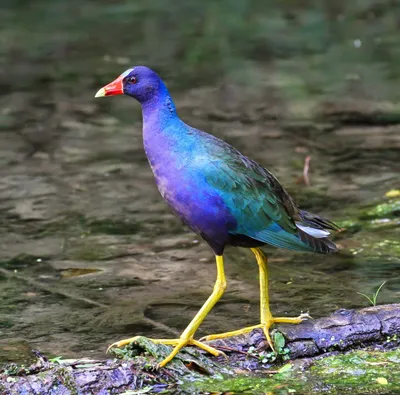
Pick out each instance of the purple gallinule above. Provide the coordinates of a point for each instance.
(223, 196)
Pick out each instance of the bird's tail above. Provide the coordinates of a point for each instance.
(314, 231)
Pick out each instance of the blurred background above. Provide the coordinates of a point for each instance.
(90, 254)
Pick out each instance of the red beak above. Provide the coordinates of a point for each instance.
(113, 88)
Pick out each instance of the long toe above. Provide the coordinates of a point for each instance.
(177, 343)
(224, 335)
(265, 326)
(182, 343)
(291, 320)
(123, 342)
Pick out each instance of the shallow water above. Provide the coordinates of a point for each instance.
(90, 253)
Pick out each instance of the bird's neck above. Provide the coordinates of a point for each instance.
(158, 109)
(164, 134)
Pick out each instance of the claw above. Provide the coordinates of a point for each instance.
(123, 342)
(305, 316)
(177, 343)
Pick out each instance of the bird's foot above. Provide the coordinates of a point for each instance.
(177, 343)
(265, 326)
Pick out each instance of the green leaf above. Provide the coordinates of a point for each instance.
(382, 381)
(58, 359)
(285, 368)
(279, 341)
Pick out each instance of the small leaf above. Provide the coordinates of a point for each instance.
(382, 381)
(392, 193)
(285, 368)
(56, 360)
(279, 341)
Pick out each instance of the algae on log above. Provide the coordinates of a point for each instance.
(342, 331)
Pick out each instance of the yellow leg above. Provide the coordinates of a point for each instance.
(186, 337)
(266, 318)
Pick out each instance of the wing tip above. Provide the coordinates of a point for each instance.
(321, 245)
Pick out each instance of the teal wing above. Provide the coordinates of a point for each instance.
(261, 207)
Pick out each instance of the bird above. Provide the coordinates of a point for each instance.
(222, 196)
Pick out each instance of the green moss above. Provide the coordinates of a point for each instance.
(388, 209)
(66, 378)
(372, 231)
(378, 216)
(358, 372)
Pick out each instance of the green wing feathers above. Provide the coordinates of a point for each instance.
(262, 207)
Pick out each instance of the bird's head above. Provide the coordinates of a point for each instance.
(140, 82)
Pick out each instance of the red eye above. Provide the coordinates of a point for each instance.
(132, 80)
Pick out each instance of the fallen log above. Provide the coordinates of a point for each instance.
(135, 367)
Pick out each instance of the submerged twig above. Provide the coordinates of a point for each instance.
(306, 169)
(304, 178)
